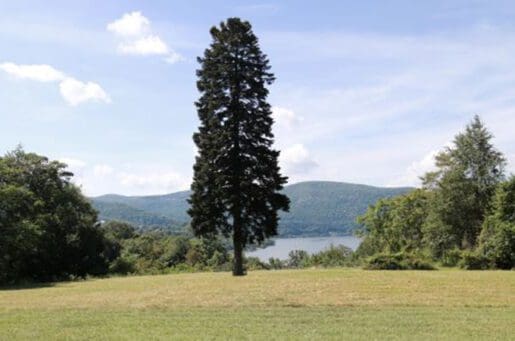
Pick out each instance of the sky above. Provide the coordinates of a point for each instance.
(366, 91)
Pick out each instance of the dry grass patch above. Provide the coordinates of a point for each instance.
(291, 304)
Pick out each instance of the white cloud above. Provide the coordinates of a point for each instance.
(284, 117)
(130, 24)
(72, 163)
(297, 160)
(76, 92)
(415, 170)
(149, 45)
(40, 73)
(173, 57)
(152, 183)
(397, 101)
(138, 38)
(72, 90)
(102, 170)
(77, 167)
(98, 179)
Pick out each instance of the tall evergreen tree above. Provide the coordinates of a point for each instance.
(464, 183)
(235, 190)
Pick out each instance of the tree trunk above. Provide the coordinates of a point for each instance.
(237, 269)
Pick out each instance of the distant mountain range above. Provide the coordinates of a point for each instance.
(318, 208)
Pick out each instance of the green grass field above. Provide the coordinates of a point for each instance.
(287, 304)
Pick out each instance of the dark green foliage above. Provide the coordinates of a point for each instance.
(254, 263)
(318, 208)
(118, 230)
(473, 260)
(455, 217)
(123, 265)
(339, 255)
(166, 211)
(154, 252)
(464, 183)
(276, 264)
(395, 224)
(298, 259)
(324, 208)
(451, 257)
(398, 261)
(333, 256)
(48, 229)
(497, 239)
(236, 183)
(498, 244)
(158, 252)
(117, 211)
(385, 261)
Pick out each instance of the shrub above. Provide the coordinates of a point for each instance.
(475, 261)
(254, 263)
(180, 268)
(497, 243)
(451, 257)
(339, 255)
(298, 259)
(276, 263)
(384, 262)
(397, 261)
(122, 266)
(416, 263)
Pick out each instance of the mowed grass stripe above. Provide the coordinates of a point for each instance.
(294, 304)
(431, 323)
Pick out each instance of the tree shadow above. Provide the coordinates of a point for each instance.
(27, 286)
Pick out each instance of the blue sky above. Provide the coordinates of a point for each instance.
(366, 92)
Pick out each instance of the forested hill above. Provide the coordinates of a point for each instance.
(322, 208)
(318, 208)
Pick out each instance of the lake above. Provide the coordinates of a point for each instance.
(283, 246)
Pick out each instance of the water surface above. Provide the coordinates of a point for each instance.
(283, 246)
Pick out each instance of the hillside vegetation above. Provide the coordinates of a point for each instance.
(288, 304)
(317, 207)
(135, 215)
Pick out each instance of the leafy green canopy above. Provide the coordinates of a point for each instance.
(237, 179)
(497, 239)
(464, 183)
(464, 205)
(394, 224)
(47, 228)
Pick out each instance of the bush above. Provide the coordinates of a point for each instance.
(451, 257)
(276, 263)
(254, 263)
(475, 261)
(122, 266)
(416, 263)
(180, 268)
(339, 255)
(384, 262)
(497, 243)
(503, 252)
(397, 261)
(298, 259)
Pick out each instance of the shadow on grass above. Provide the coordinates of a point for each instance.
(27, 286)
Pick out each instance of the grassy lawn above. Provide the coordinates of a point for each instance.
(287, 304)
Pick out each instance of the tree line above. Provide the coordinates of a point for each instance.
(463, 214)
(48, 229)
